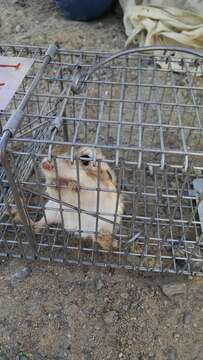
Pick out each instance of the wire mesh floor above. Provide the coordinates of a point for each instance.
(146, 118)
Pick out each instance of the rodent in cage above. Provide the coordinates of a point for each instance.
(76, 183)
(146, 119)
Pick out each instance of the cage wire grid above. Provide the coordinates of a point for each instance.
(143, 111)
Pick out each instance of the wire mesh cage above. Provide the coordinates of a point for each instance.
(101, 160)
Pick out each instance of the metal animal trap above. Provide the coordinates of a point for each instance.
(126, 189)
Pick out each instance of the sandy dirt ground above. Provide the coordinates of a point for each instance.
(58, 313)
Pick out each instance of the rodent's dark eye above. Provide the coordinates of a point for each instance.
(85, 160)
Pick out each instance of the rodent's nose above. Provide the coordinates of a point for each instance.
(47, 165)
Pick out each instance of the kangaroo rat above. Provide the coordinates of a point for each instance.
(65, 178)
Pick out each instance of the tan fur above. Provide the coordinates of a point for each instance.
(60, 149)
(105, 240)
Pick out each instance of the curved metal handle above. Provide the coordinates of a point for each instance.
(78, 83)
(76, 87)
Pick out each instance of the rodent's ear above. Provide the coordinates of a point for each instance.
(109, 172)
(85, 151)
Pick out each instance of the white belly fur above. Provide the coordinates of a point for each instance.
(88, 202)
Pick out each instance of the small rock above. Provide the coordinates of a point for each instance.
(110, 317)
(100, 284)
(100, 25)
(171, 354)
(124, 295)
(18, 28)
(98, 326)
(176, 336)
(21, 274)
(21, 357)
(173, 289)
(187, 318)
(125, 307)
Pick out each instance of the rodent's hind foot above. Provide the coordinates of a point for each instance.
(36, 226)
(72, 186)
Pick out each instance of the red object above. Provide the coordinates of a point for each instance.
(10, 66)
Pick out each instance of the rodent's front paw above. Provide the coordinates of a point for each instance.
(47, 165)
(72, 185)
(35, 226)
